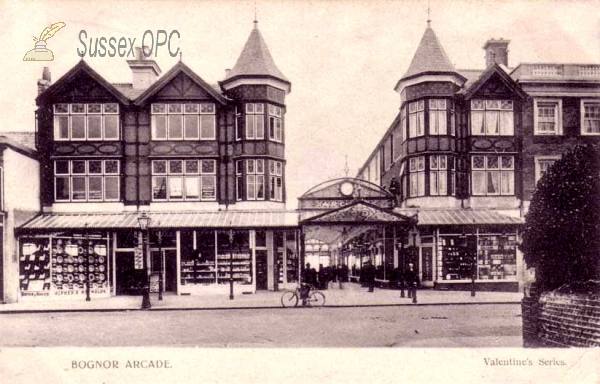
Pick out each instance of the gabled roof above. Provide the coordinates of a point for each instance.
(82, 66)
(128, 90)
(430, 57)
(22, 142)
(504, 77)
(358, 212)
(170, 75)
(255, 60)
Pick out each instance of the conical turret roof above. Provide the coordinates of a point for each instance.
(255, 59)
(430, 56)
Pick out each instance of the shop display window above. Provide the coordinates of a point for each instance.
(63, 265)
(34, 263)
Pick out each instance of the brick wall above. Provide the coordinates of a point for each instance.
(567, 317)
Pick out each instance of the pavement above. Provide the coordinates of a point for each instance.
(352, 295)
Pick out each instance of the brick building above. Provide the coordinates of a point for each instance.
(465, 151)
(206, 163)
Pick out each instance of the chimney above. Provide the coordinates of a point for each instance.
(227, 72)
(45, 81)
(144, 69)
(496, 51)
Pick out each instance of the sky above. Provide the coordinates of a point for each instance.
(342, 57)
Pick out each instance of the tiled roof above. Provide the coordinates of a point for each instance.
(26, 139)
(210, 219)
(471, 75)
(458, 216)
(255, 59)
(127, 90)
(430, 56)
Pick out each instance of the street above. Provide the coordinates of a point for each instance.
(374, 327)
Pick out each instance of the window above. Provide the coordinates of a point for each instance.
(542, 164)
(416, 119)
(493, 175)
(255, 121)
(86, 180)
(492, 118)
(547, 117)
(276, 181)
(590, 117)
(183, 180)
(438, 175)
(438, 124)
(183, 121)
(239, 179)
(275, 125)
(86, 121)
(255, 179)
(417, 176)
(239, 127)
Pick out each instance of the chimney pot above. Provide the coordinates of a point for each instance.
(496, 51)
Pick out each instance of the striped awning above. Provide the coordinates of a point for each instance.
(213, 219)
(459, 216)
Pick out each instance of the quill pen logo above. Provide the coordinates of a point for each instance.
(40, 52)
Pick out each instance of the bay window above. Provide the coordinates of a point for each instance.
(547, 117)
(275, 125)
(184, 180)
(590, 117)
(438, 124)
(492, 175)
(276, 181)
(255, 179)
(183, 121)
(492, 118)
(416, 119)
(86, 121)
(255, 121)
(438, 175)
(417, 176)
(86, 180)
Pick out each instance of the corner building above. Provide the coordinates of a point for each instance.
(465, 152)
(206, 163)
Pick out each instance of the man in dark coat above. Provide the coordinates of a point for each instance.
(412, 281)
(369, 275)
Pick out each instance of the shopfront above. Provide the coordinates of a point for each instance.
(179, 253)
(459, 248)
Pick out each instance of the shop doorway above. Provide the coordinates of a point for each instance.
(169, 270)
(262, 272)
(130, 277)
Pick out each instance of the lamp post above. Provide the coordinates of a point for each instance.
(144, 223)
(465, 244)
(87, 263)
(473, 264)
(160, 275)
(230, 264)
(400, 247)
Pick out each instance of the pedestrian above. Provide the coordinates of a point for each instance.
(412, 280)
(369, 275)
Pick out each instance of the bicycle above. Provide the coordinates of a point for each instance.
(307, 293)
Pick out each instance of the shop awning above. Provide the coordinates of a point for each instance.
(459, 216)
(218, 219)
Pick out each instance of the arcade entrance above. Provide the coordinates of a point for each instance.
(353, 220)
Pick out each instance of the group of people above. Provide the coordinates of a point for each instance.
(409, 278)
(324, 275)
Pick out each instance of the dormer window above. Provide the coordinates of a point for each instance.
(92, 122)
(492, 118)
(176, 121)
